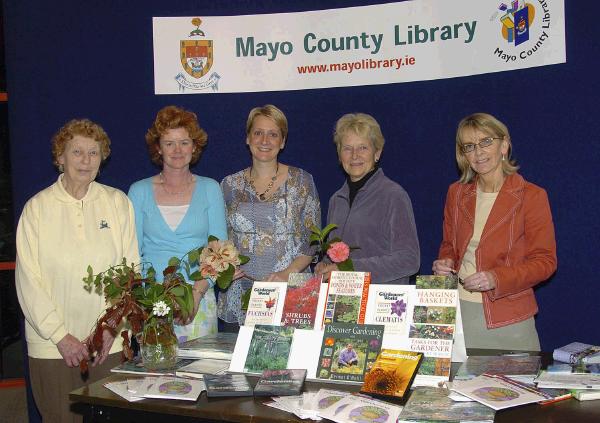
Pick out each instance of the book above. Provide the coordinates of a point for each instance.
(348, 350)
(346, 299)
(428, 404)
(325, 398)
(120, 388)
(229, 385)
(198, 368)
(218, 346)
(391, 306)
(136, 367)
(498, 392)
(568, 380)
(354, 408)
(269, 348)
(266, 303)
(510, 366)
(586, 394)
(301, 299)
(576, 352)
(432, 326)
(170, 387)
(392, 374)
(280, 382)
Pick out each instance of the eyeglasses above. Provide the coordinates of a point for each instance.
(359, 149)
(483, 143)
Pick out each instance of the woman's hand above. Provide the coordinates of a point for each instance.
(479, 282)
(443, 267)
(278, 277)
(325, 269)
(72, 350)
(198, 291)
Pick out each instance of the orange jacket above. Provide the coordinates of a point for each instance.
(517, 245)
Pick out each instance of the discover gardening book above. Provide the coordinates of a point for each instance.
(301, 299)
(347, 350)
(269, 348)
(346, 299)
(265, 304)
(432, 326)
(280, 382)
(392, 374)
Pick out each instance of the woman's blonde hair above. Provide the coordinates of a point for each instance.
(491, 126)
(363, 125)
(271, 112)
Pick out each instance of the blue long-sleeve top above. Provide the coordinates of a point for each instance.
(157, 241)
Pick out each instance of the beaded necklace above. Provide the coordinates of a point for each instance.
(263, 195)
(164, 185)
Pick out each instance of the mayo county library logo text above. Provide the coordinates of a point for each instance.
(517, 20)
(197, 57)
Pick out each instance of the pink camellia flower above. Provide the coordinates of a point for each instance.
(338, 252)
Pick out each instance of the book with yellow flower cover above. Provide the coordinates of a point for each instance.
(392, 373)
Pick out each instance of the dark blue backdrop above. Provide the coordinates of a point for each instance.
(94, 59)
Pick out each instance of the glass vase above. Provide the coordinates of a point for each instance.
(158, 345)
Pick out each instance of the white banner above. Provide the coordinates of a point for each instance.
(382, 44)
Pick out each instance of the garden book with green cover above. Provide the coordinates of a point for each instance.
(280, 382)
(346, 299)
(269, 348)
(301, 299)
(348, 350)
(392, 374)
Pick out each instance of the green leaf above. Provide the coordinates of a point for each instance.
(346, 265)
(315, 230)
(177, 291)
(174, 261)
(327, 229)
(314, 238)
(244, 259)
(183, 305)
(212, 238)
(246, 299)
(196, 276)
(151, 273)
(193, 256)
(224, 279)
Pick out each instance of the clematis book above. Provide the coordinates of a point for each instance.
(302, 296)
(347, 295)
(432, 326)
(348, 350)
(391, 306)
(392, 374)
(266, 303)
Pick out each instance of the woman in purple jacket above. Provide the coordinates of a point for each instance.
(371, 211)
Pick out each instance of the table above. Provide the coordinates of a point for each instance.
(101, 405)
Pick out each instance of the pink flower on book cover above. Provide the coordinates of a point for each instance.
(398, 307)
(270, 303)
(338, 251)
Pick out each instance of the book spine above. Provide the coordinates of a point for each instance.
(364, 298)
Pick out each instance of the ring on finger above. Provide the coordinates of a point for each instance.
(479, 286)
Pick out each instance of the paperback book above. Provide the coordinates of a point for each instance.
(169, 387)
(136, 367)
(218, 346)
(229, 385)
(510, 366)
(301, 299)
(432, 326)
(498, 392)
(568, 380)
(348, 350)
(354, 408)
(391, 306)
(392, 374)
(347, 294)
(265, 304)
(577, 352)
(280, 382)
(427, 404)
(198, 368)
(269, 348)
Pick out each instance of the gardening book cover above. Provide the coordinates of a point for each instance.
(347, 294)
(301, 299)
(348, 350)
(280, 382)
(229, 385)
(218, 346)
(427, 404)
(510, 366)
(391, 305)
(392, 374)
(169, 387)
(432, 326)
(265, 304)
(269, 348)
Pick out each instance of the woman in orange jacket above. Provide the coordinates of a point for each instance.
(499, 238)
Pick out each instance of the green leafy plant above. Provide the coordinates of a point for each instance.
(336, 249)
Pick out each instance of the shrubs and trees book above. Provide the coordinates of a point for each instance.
(301, 299)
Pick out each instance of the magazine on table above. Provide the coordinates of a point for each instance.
(548, 379)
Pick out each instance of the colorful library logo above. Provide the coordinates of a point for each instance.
(516, 20)
(197, 58)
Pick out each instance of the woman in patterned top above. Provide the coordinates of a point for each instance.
(270, 209)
